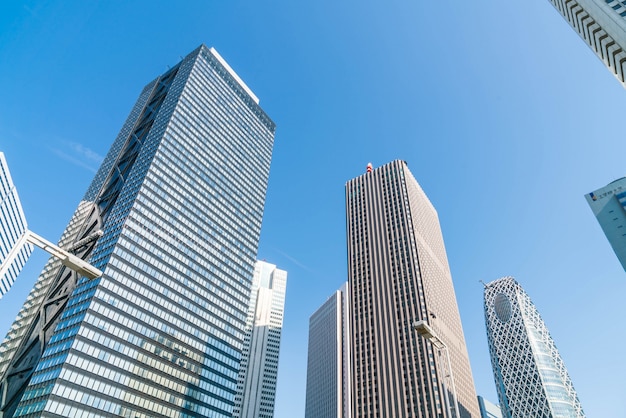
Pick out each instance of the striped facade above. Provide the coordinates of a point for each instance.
(179, 198)
(328, 362)
(258, 375)
(602, 25)
(398, 273)
(12, 228)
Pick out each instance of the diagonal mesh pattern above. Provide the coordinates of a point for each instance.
(530, 375)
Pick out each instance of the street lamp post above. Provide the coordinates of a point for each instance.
(67, 259)
(429, 334)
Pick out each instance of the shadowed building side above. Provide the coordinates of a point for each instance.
(179, 198)
(398, 274)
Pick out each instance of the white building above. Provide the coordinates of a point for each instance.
(12, 228)
(609, 206)
(602, 25)
(256, 388)
(530, 376)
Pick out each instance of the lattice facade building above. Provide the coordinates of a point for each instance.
(530, 376)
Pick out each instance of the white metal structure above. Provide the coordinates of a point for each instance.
(67, 259)
(429, 334)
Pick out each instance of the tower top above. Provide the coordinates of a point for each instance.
(369, 167)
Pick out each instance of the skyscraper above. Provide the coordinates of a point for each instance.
(398, 274)
(609, 206)
(256, 390)
(487, 409)
(530, 376)
(179, 198)
(12, 228)
(328, 363)
(602, 25)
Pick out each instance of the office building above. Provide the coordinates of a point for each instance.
(12, 228)
(602, 25)
(256, 390)
(488, 409)
(529, 373)
(609, 206)
(328, 362)
(179, 199)
(398, 274)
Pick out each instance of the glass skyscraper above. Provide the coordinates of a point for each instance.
(529, 373)
(398, 274)
(179, 199)
(328, 363)
(12, 227)
(602, 26)
(256, 391)
(609, 207)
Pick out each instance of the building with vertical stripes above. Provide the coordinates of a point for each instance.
(398, 274)
(530, 376)
(12, 228)
(179, 198)
(258, 376)
(608, 204)
(328, 362)
(602, 25)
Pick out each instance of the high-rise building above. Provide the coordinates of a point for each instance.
(398, 274)
(602, 25)
(609, 206)
(530, 375)
(488, 409)
(256, 390)
(13, 225)
(328, 363)
(179, 199)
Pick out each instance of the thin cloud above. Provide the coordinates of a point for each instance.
(75, 160)
(85, 152)
(293, 260)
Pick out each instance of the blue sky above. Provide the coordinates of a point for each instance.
(504, 115)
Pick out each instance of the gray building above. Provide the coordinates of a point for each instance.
(609, 206)
(488, 409)
(328, 362)
(180, 198)
(602, 26)
(530, 376)
(13, 245)
(398, 274)
(256, 390)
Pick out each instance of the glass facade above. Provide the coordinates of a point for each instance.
(609, 207)
(12, 228)
(180, 199)
(328, 362)
(530, 376)
(256, 390)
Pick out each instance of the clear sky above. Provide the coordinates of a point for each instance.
(505, 117)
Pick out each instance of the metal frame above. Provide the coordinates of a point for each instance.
(67, 259)
(429, 334)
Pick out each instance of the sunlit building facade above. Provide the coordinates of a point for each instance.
(12, 228)
(530, 376)
(398, 274)
(328, 362)
(609, 207)
(488, 409)
(258, 376)
(602, 26)
(179, 199)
